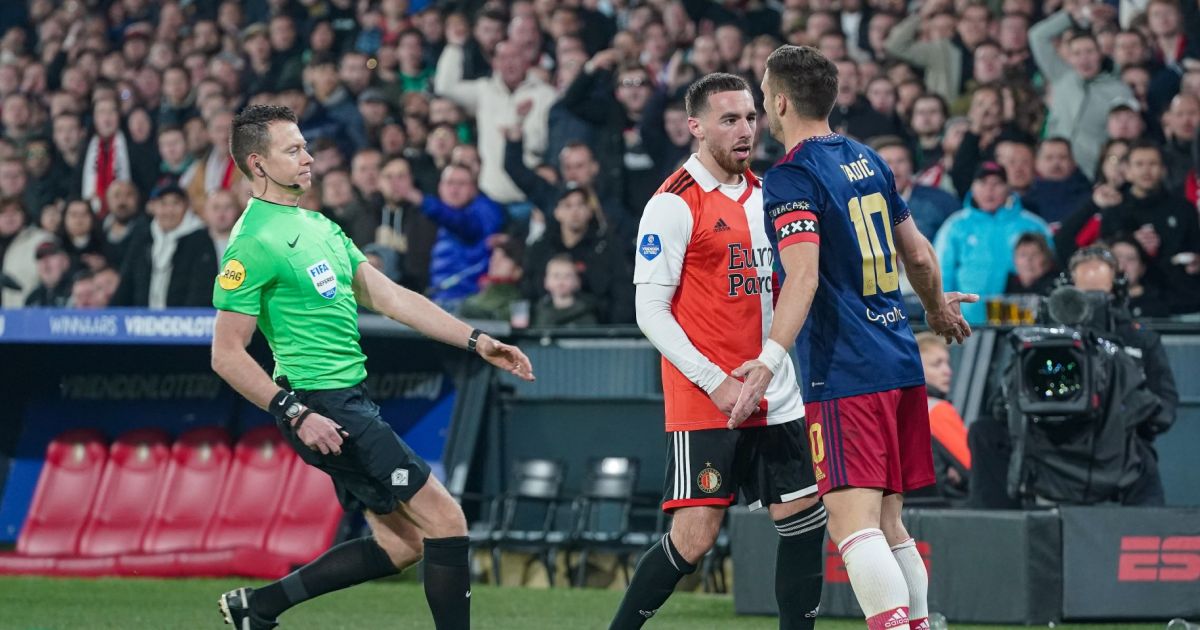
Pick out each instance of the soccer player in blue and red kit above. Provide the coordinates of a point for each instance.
(839, 226)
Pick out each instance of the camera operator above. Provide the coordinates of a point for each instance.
(1099, 306)
(1096, 269)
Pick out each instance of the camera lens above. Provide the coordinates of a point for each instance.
(1053, 375)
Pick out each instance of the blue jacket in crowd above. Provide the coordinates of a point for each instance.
(976, 250)
(1056, 201)
(460, 254)
(930, 208)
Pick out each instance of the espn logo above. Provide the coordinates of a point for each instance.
(1159, 559)
(835, 567)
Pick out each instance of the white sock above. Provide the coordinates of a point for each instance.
(913, 568)
(877, 580)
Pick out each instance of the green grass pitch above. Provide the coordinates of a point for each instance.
(28, 603)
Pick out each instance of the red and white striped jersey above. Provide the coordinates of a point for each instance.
(709, 241)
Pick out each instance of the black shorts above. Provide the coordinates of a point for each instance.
(768, 465)
(376, 469)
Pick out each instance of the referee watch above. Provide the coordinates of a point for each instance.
(473, 340)
(288, 410)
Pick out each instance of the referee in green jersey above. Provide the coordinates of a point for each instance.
(297, 277)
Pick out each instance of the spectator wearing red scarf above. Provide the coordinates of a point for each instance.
(107, 157)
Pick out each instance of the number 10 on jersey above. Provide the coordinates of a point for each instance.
(878, 266)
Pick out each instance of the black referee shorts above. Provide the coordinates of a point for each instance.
(376, 469)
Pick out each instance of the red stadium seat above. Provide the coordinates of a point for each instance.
(65, 491)
(253, 491)
(308, 518)
(120, 512)
(186, 503)
(234, 542)
(123, 508)
(64, 495)
(191, 490)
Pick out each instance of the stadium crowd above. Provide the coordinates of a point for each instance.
(497, 155)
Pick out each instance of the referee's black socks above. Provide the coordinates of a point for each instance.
(798, 567)
(448, 582)
(659, 570)
(352, 562)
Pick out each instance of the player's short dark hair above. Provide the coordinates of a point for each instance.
(251, 133)
(696, 100)
(806, 78)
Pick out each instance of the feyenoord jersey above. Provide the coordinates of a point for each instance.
(839, 193)
(709, 241)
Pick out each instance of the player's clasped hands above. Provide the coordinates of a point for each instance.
(948, 321)
(755, 377)
(725, 396)
(322, 434)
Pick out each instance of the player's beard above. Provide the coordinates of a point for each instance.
(728, 163)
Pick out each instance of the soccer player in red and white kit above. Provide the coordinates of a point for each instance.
(839, 225)
(703, 272)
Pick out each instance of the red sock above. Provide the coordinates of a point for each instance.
(894, 619)
(919, 624)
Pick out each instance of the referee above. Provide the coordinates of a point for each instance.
(293, 273)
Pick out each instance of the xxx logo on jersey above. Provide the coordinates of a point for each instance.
(651, 246)
(798, 226)
(323, 279)
(709, 480)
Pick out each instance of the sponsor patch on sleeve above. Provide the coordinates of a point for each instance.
(798, 226)
(232, 276)
(650, 247)
(781, 209)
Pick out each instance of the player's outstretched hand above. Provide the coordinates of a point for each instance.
(948, 321)
(725, 396)
(506, 357)
(755, 377)
(321, 434)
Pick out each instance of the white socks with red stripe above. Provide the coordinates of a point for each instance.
(878, 582)
(913, 569)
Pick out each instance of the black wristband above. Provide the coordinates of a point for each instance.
(473, 340)
(280, 404)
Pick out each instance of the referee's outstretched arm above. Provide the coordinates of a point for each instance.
(375, 291)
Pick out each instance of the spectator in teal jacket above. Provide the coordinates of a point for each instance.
(975, 245)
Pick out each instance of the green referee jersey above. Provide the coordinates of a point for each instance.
(293, 269)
